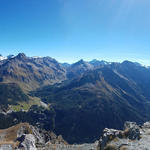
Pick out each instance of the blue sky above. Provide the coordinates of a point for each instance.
(68, 30)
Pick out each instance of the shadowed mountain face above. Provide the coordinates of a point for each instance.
(135, 73)
(83, 98)
(31, 73)
(100, 98)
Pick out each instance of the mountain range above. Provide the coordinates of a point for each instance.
(75, 100)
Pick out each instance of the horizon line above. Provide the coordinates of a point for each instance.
(139, 61)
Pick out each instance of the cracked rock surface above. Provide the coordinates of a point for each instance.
(133, 137)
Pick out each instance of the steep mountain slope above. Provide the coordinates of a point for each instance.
(97, 99)
(136, 73)
(11, 93)
(31, 73)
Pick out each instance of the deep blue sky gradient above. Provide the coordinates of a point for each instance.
(68, 30)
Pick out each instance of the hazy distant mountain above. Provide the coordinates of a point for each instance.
(2, 58)
(77, 69)
(66, 65)
(96, 63)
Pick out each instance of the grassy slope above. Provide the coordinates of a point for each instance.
(26, 105)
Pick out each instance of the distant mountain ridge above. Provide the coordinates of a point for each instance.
(81, 99)
(94, 62)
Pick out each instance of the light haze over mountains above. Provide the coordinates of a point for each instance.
(69, 30)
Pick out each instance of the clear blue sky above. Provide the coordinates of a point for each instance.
(69, 30)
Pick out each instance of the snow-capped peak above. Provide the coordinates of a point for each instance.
(2, 58)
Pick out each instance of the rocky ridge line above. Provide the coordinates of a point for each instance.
(26, 137)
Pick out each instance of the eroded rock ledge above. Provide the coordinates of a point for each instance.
(26, 137)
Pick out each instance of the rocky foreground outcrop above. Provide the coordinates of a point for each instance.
(26, 137)
(133, 137)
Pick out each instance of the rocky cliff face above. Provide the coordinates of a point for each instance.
(26, 137)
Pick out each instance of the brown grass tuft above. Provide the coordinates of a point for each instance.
(10, 134)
